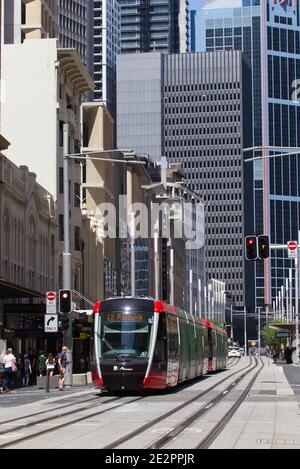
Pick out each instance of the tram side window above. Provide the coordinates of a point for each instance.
(173, 345)
(210, 344)
(160, 354)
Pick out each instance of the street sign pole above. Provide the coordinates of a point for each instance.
(297, 301)
(67, 269)
(259, 335)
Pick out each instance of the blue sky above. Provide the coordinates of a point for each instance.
(194, 4)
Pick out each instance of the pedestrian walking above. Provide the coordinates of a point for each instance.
(62, 363)
(42, 364)
(10, 369)
(274, 354)
(82, 364)
(50, 364)
(27, 370)
(2, 378)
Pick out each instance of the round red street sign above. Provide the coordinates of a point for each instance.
(51, 296)
(292, 246)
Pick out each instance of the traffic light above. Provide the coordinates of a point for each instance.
(263, 246)
(251, 248)
(65, 322)
(65, 301)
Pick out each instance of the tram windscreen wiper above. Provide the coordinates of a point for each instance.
(112, 349)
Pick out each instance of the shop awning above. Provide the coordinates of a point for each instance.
(10, 290)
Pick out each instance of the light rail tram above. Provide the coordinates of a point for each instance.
(142, 343)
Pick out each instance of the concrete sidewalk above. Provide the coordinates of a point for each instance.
(269, 417)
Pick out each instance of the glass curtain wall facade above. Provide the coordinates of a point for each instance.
(268, 33)
(154, 25)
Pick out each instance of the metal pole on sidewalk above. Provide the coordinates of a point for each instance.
(172, 277)
(259, 339)
(156, 265)
(287, 299)
(205, 302)
(282, 303)
(231, 320)
(199, 298)
(291, 294)
(67, 267)
(245, 331)
(132, 253)
(191, 291)
(297, 301)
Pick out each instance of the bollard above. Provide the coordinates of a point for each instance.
(48, 381)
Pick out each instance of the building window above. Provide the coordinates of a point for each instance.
(77, 240)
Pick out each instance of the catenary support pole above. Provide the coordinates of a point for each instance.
(199, 299)
(245, 331)
(297, 279)
(172, 300)
(231, 321)
(259, 334)
(132, 253)
(291, 293)
(191, 291)
(67, 268)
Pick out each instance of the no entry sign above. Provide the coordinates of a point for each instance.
(51, 302)
(292, 249)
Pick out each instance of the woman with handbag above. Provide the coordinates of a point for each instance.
(10, 369)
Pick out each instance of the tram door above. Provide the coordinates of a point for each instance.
(173, 351)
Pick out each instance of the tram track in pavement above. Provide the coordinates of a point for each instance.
(206, 442)
(30, 436)
(161, 418)
(60, 415)
(170, 435)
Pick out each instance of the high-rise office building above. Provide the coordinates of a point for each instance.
(75, 27)
(107, 36)
(151, 25)
(195, 109)
(268, 33)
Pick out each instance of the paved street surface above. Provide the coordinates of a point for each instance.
(269, 417)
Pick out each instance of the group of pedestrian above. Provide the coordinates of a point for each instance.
(8, 368)
(29, 366)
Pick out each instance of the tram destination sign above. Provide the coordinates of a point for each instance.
(125, 317)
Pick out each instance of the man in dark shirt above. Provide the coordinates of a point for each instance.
(62, 363)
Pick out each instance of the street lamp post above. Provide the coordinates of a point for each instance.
(245, 331)
(259, 334)
(67, 267)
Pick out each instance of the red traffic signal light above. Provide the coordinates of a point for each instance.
(251, 250)
(65, 301)
(263, 246)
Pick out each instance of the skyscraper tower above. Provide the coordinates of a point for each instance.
(75, 27)
(268, 33)
(149, 25)
(107, 27)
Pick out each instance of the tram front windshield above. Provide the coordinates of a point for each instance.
(125, 335)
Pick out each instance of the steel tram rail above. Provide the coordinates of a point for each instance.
(62, 425)
(162, 417)
(217, 429)
(181, 427)
(71, 422)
